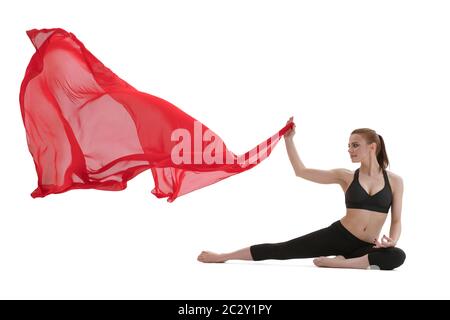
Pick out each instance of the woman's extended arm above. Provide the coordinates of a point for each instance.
(296, 162)
(315, 175)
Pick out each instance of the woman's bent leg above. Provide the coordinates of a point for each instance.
(384, 258)
(352, 263)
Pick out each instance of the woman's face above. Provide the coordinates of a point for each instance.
(358, 148)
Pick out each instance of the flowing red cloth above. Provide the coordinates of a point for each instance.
(87, 128)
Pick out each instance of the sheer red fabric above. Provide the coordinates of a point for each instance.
(87, 128)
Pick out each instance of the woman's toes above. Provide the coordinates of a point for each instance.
(201, 256)
(206, 256)
(321, 261)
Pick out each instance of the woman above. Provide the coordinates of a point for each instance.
(369, 193)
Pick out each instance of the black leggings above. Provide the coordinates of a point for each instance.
(331, 241)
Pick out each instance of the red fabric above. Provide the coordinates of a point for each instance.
(87, 128)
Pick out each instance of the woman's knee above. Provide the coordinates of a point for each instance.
(387, 258)
(265, 251)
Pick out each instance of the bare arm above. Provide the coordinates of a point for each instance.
(396, 212)
(315, 175)
(296, 162)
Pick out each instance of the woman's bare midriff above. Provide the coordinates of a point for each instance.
(366, 225)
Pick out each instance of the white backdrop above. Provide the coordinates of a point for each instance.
(242, 68)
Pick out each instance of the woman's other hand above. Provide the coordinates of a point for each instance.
(386, 242)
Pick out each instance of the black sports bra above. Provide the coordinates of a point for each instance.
(357, 197)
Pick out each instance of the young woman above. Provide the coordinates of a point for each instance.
(370, 191)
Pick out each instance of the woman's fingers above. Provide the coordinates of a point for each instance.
(291, 131)
(378, 244)
(387, 241)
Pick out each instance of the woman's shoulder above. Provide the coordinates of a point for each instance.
(394, 179)
(345, 176)
(393, 175)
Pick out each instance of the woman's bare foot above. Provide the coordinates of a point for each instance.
(335, 262)
(211, 257)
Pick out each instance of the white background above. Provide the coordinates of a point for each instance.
(242, 68)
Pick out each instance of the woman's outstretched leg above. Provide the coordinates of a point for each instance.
(323, 242)
(211, 257)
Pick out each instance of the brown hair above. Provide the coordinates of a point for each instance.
(371, 136)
